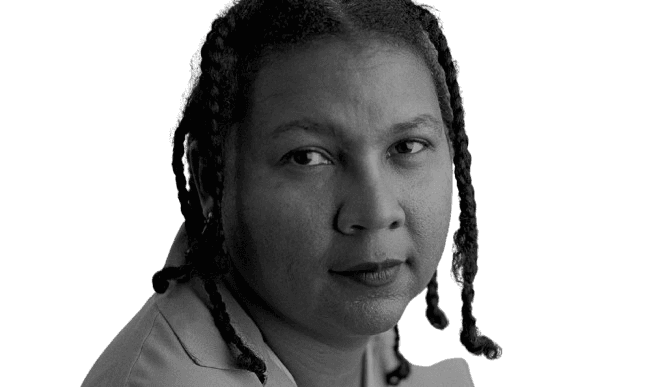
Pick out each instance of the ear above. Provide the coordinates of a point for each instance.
(197, 166)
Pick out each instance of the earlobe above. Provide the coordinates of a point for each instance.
(196, 167)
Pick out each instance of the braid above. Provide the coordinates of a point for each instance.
(465, 254)
(247, 358)
(434, 314)
(214, 103)
(204, 110)
(403, 370)
(160, 279)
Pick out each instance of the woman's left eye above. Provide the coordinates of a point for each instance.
(409, 147)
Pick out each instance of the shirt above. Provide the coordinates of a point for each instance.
(173, 341)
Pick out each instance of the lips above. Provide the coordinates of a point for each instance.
(370, 266)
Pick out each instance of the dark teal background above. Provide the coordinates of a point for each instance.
(554, 99)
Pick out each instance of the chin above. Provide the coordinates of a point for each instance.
(372, 317)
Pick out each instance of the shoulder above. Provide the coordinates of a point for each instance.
(452, 372)
(162, 346)
(449, 373)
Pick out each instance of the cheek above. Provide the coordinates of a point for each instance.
(285, 231)
(428, 217)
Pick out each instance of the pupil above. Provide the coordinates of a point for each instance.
(302, 157)
(405, 147)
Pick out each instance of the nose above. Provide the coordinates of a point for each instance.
(370, 204)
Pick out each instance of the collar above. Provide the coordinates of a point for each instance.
(186, 307)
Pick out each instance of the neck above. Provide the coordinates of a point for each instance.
(312, 360)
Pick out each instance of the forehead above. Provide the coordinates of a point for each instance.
(334, 63)
(343, 84)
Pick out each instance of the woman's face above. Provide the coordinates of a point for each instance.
(336, 166)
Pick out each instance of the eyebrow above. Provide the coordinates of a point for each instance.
(307, 125)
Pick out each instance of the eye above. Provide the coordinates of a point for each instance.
(306, 157)
(408, 147)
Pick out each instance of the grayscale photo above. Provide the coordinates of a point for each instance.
(314, 157)
(315, 193)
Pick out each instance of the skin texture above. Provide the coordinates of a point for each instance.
(359, 193)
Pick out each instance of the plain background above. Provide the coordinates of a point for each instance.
(553, 94)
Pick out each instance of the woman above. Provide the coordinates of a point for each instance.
(320, 136)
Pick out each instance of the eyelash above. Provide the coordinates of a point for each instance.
(289, 156)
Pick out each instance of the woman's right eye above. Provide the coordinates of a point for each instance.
(306, 157)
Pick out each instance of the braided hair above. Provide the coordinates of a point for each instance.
(243, 39)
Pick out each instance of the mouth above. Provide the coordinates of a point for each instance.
(369, 267)
(378, 274)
